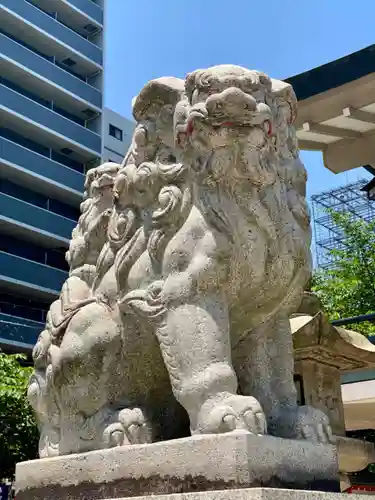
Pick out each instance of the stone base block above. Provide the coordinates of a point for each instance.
(258, 494)
(195, 464)
(354, 455)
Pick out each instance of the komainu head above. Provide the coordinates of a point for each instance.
(243, 111)
(223, 104)
(154, 109)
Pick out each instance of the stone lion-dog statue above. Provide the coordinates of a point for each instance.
(182, 325)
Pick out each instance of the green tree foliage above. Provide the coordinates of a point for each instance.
(18, 430)
(348, 288)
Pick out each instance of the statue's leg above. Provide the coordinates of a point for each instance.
(88, 375)
(47, 412)
(195, 343)
(300, 422)
(264, 362)
(190, 315)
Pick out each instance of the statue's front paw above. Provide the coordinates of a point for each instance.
(145, 302)
(313, 425)
(232, 413)
(131, 428)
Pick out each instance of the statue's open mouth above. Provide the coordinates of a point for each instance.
(217, 125)
(227, 125)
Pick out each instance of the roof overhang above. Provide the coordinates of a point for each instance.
(336, 112)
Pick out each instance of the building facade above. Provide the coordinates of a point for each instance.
(117, 132)
(51, 128)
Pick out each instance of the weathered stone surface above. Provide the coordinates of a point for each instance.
(259, 494)
(200, 463)
(185, 266)
(322, 353)
(353, 454)
(315, 337)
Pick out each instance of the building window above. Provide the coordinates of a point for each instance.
(53, 257)
(38, 199)
(23, 308)
(115, 132)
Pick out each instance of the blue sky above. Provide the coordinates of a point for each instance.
(152, 38)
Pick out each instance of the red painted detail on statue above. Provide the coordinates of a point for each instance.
(189, 128)
(268, 127)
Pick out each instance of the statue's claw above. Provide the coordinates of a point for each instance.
(303, 422)
(230, 414)
(313, 425)
(131, 428)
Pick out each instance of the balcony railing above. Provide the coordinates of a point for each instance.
(84, 6)
(19, 331)
(42, 168)
(33, 276)
(91, 8)
(36, 218)
(35, 16)
(44, 67)
(39, 114)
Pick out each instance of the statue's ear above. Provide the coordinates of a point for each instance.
(283, 91)
(180, 124)
(190, 84)
(155, 95)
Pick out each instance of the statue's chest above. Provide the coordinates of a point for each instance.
(263, 248)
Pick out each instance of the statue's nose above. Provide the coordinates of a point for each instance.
(231, 98)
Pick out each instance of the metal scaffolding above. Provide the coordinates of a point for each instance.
(327, 235)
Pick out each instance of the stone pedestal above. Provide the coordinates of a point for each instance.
(258, 494)
(197, 464)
